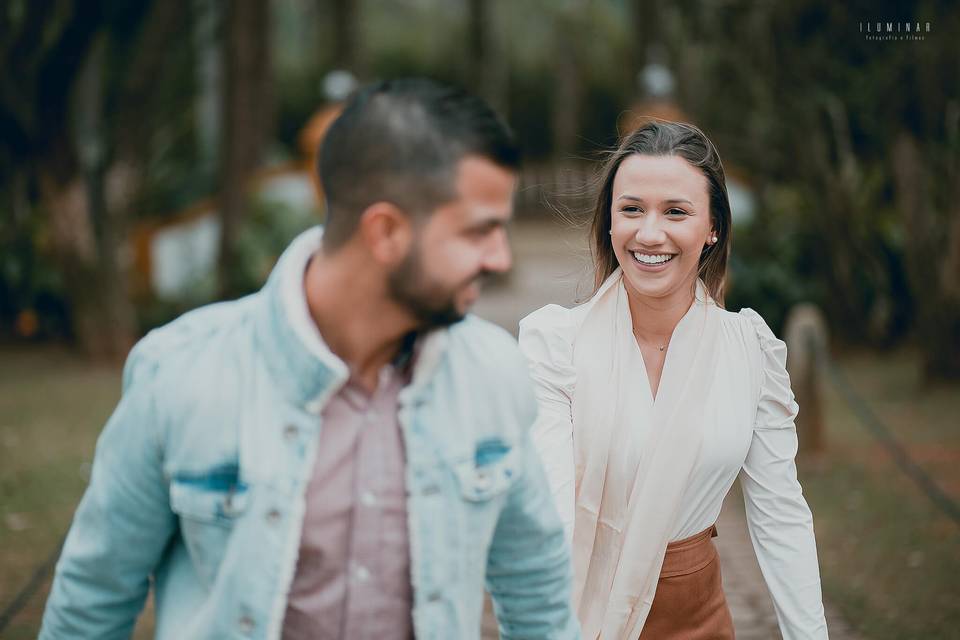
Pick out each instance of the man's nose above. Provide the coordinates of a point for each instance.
(498, 259)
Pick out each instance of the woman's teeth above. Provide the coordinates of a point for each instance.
(645, 258)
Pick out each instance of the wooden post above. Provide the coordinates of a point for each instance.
(807, 340)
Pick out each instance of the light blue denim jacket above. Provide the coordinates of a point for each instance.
(199, 476)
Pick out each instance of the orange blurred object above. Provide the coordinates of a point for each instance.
(310, 138)
(27, 323)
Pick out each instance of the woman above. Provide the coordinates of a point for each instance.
(653, 398)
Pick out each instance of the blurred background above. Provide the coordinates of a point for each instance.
(157, 155)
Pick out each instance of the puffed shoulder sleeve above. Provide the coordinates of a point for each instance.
(545, 340)
(776, 406)
(778, 517)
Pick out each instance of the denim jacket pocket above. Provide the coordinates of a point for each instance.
(487, 475)
(207, 516)
(214, 506)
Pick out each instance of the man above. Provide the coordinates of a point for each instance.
(338, 455)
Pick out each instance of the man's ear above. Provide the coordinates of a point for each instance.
(387, 232)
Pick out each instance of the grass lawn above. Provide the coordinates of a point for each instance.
(890, 560)
(52, 407)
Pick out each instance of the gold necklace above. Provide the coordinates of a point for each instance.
(660, 348)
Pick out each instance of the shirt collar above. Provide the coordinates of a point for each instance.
(296, 354)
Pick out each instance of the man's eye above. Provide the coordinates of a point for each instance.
(482, 232)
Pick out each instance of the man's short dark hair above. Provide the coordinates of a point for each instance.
(400, 141)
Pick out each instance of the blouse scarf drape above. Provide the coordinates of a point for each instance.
(629, 489)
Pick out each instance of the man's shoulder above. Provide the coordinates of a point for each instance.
(487, 344)
(178, 347)
(486, 359)
(489, 355)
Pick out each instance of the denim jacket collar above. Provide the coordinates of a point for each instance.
(307, 372)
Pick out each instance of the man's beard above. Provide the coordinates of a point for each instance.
(431, 305)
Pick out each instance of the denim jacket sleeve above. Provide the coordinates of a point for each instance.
(528, 567)
(122, 525)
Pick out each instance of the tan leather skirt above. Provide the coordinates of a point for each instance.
(689, 603)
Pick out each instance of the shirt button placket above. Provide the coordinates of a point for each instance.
(362, 574)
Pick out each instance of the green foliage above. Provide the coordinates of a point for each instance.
(799, 99)
(29, 280)
(267, 231)
(888, 556)
(794, 95)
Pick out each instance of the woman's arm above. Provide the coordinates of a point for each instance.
(779, 520)
(548, 355)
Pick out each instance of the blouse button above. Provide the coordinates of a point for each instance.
(290, 432)
(273, 516)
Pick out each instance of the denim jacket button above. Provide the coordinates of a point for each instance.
(483, 480)
(229, 507)
(246, 624)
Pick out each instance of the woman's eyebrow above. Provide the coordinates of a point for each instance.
(670, 201)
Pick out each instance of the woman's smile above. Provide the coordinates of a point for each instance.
(653, 262)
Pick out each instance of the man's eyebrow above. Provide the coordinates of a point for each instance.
(490, 222)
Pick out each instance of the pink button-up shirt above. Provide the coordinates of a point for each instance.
(353, 573)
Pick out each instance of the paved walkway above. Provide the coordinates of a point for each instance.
(747, 595)
(552, 265)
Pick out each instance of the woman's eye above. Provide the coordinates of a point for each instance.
(676, 212)
(631, 209)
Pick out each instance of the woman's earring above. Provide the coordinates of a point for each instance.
(714, 239)
(610, 232)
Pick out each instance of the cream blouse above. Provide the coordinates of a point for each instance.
(743, 414)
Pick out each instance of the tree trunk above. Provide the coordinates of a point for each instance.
(85, 232)
(569, 84)
(100, 314)
(247, 118)
(928, 251)
(647, 27)
(208, 72)
(486, 65)
(345, 43)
